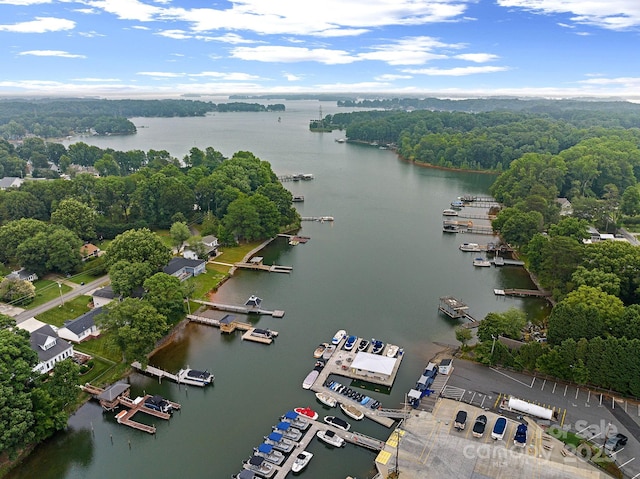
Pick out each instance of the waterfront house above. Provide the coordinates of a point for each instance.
(183, 268)
(82, 328)
(23, 275)
(210, 243)
(50, 348)
(103, 296)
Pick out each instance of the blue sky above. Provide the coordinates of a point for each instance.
(129, 48)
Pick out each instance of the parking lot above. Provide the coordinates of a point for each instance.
(430, 446)
(594, 416)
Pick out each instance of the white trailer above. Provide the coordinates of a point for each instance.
(524, 407)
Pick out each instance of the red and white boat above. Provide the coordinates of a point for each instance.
(307, 412)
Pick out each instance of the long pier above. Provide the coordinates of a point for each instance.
(523, 293)
(274, 268)
(240, 309)
(320, 219)
(180, 378)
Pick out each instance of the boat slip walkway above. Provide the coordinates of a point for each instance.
(231, 308)
(249, 334)
(180, 378)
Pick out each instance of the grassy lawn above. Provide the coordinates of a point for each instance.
(204, 283)
(82, 278)
(232, 255)
(100, 347)
(46, 290)
(71, 310)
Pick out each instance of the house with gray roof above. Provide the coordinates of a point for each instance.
(210, 244)
(82, 328)
(23, 275)
(10, 182)
(103, 296)
(183, 268)
(50, 348)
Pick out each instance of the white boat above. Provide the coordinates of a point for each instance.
(296, 420)
(326, 399)
(481, 262)
(328, 352)
(330, 438)
(310, 379)
(302, 459)
(352, 411)
(288, 431)
(337, 422)
(260, 466)
(279, 442)
(339, 336)
(449, 212)
(473, 247)
(392, 350)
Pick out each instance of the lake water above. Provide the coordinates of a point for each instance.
(377, 271)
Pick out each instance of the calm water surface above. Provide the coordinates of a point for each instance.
(377, 271)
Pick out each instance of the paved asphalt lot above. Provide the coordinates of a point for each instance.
(577, 409)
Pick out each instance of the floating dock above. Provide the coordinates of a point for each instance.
(228, 324)
(500, 261)
(320, 219)
(256, 263)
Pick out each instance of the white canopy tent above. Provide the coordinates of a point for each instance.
(367, 364)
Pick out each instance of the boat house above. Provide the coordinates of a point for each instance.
(373, 366)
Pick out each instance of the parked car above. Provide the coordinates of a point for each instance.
(479, 426)
(461, 420)
(615, 442)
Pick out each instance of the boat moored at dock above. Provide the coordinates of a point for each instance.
(279, 442)
(471, 247)
(320, 350)
(352, 411)
(260, 466)
(326, 399)
(337, 422)
(302, 459)
(269, 453)
(296, 420)
(481, 262)
(339, 336)
(449, 212)
(310, 379)
(288, 431)
(194, 376)
(330, 438)
(307, 412)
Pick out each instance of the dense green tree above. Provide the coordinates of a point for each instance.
(63, 383)
(126, 276)
(17, 291)
(197, 246)
(630, 201)
(64, 251)
(516, 227)
(509, 324)
(463, 335)
(572, 227)
(16, 205)
(607, 282)
(138, 246)
(164, 292)
(242, 220)
(136, 327)
(15, 232)
(107, 166)
(620, 258)
(268, 214)
(556, 261)
(77, 217)
(180, 233)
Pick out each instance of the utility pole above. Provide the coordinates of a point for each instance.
(60, 290)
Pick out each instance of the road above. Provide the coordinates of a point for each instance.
(74, 293)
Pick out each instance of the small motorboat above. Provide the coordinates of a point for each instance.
(352, 411)
(302, 459)
(245, 474)
(449, 212)
(350, 343)
(392, 350)
(337, 422)
(499, 428)
(296, 420)
(279, 442)
(330, 438)
(457, 204)
(298, 199)
(376, 346)
(260, 466)
(310, 379)
(472, 247)
(339, 336)
(481, 262)
(288, 431)
(269, 453)
(328, 352)
(307, 412)
(319, 350)
(326, 399)
(363, 345)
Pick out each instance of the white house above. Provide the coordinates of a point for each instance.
(50, 348)
(10, 182)
(210, 243)
(183, 268)
(82, 328)
(103, 296)
(24, 275)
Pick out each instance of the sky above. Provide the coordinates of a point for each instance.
(444, 48)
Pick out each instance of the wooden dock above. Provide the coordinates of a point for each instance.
(320, 219)
(500, 261)
(249, 330)
(522, 293)
(181, 378)
(240, 309)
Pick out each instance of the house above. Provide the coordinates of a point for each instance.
(89, 250)
(210, 243)
(103, 296)
(82, 328)
(183, 268)
(565, 206)
(50, 348)
(10, 182)
(24, 275)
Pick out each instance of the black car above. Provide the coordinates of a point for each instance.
(479, 426)
(615, 442)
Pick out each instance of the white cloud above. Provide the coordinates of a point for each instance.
(477, 57)
(409, 51)
(292, 77)
(609, 14)
(23, 3)
(391, 77)
(293, 54)
(627, 82)
(40, 25)
(233, 76)
(455, 72)
(175, 34)
(162, 74)
(51, 53)
(564, 25)
(328, 18)
(91, 34)
(87, 11)
(89, 79)
(140, 27)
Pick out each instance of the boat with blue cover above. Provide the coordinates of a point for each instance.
(279, 442)
(269, 453)
(296, 420)
(287, 430)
